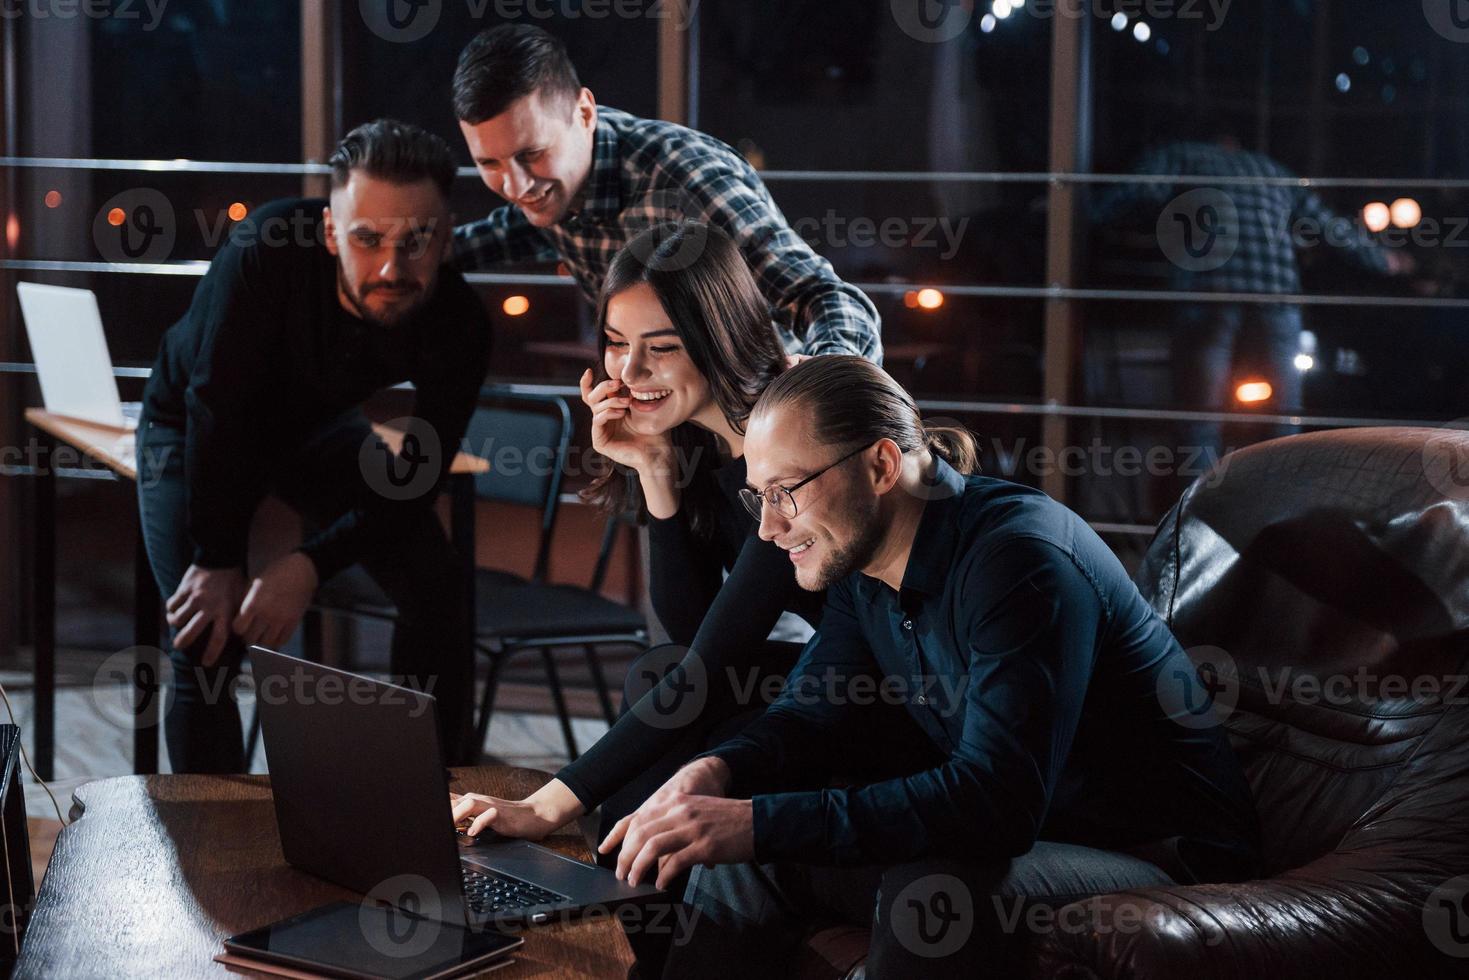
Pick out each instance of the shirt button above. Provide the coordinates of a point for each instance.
(907, 624)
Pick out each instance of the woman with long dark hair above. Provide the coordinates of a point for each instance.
(687, 347)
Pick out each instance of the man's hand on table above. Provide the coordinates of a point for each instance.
(206, 599)
(686, 822)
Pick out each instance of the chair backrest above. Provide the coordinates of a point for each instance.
(1324, 578)
(20, 886)
(526, 439)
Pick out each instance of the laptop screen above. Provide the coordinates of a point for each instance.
(64, 327)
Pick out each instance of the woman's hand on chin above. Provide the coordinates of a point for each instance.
(611, 437)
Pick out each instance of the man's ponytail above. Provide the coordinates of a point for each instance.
(955, 444)
(852, 402)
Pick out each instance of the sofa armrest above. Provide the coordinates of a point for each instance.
(1328, 920)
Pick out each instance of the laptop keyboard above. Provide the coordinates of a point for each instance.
(489, 892)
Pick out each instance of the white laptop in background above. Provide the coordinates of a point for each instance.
(65, 330)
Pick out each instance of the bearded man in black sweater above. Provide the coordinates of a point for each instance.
(307, 310)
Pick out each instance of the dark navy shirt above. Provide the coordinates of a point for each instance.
(1025, 653)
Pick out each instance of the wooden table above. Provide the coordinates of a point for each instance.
(116, 451)
(158, 870)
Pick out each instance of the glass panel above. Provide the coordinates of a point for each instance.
(204, 79)
(408, 74)
(1356, 91)
(870, 87)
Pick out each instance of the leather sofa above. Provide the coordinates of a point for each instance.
(1321, 583)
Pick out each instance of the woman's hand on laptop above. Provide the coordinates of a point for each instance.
(539, 814)
(206, 599)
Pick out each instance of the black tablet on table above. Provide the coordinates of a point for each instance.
(372, 942)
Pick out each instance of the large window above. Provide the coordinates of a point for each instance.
(937, 153)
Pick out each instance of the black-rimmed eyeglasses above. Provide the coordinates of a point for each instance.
(783, 499)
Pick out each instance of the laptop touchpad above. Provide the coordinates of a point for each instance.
(548, 869)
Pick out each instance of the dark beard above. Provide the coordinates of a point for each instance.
(857, 553)
(361, 309)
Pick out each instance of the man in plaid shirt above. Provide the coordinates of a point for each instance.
(582, 180)
(1236, 238)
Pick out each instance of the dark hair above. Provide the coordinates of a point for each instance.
(852, 402)
(507, 63)
(394, 151)
(708, 291)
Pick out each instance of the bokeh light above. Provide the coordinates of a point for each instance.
(1253, 392)
(930, 299)
(1376, 216)
(1406, 213)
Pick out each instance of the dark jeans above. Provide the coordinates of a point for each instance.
(930, 918)
(1216, 345)
(414, 564)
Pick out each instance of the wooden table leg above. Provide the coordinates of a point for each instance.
(44, 614)
(147, 636)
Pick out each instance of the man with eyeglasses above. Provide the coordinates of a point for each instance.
(1072, 748)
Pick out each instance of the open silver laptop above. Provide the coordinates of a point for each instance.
(70, 350)
(362, 800)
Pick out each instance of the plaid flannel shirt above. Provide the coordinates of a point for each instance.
(645, 171)
(1270, 218)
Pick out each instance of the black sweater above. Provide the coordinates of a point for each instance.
(726, 622)
(266, 354)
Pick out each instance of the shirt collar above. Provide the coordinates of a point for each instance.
(603, 199)
(932, 553)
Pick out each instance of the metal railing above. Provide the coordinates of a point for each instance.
(971, 290)
(805, 176)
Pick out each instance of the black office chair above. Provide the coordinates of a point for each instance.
(514, 614)
(20, 885)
